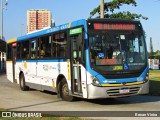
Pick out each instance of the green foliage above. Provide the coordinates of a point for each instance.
(154, 83)
(125, 15)
(150, 55)
(109, 7)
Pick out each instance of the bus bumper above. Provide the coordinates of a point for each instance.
(114, 92)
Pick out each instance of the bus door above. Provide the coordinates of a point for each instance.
(14, 51)
(76, 54)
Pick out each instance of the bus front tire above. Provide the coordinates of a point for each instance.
(22, 83)
(64, 91)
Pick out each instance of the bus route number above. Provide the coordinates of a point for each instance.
(118, 68)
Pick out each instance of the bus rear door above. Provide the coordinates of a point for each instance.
(14, 50)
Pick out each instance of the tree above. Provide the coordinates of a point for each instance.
(109, 8)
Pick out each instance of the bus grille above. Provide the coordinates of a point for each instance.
(122, 75)
(115, 92)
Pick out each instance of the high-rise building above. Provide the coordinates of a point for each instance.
(38, 19)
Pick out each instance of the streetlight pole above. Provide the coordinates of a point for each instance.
(2, 54)
(1, 20)
(21, 29)
(2, 3)
(102, 8)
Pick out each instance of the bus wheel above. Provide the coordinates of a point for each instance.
(64, 91)
(22, 83)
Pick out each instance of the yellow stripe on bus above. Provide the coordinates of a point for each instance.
(53, 85)
(127, 84)
(11, 40)
(69, 25)
(69, 69)
(8, 61)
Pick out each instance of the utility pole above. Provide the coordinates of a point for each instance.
(102, 8)
(151, 48)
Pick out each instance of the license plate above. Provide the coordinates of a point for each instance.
(124, 90)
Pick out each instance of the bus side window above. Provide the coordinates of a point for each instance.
(33, 49)
(25, 50)
(59, 45)
(9, 53)
(19, 50)
(44, 47)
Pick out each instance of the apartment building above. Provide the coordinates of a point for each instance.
(38, 19)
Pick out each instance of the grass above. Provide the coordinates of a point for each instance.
(1, 109)
(154, 77)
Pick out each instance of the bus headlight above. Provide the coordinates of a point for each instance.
(95, 82)
(146, 78)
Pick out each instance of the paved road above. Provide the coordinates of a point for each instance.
(13, 99)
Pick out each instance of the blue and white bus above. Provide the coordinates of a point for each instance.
(96, 58)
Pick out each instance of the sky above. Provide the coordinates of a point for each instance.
(64, 11)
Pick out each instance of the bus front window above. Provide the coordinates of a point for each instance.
(121, 51)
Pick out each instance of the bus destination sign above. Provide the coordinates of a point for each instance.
(108, 26)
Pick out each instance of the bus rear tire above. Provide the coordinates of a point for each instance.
(64, 91)
(22, 83)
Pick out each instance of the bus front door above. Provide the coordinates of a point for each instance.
(76, 54)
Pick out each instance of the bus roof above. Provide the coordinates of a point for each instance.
(48, 30)
(11, 40)
(52, 29)
(112, 20)
(66, 26)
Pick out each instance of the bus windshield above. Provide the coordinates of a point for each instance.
(114, 51)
